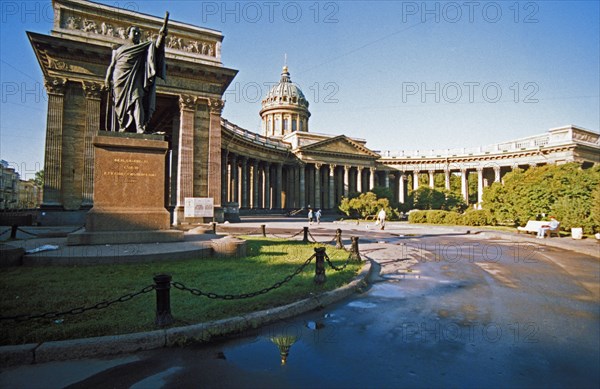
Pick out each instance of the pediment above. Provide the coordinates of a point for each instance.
(339, 145)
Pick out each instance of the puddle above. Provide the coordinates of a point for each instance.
(313, 325)
(362, 304)
(157, 380)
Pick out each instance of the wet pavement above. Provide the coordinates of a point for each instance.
(447, 310)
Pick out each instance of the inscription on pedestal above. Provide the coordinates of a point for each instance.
(129, 184)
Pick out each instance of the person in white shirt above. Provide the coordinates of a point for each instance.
(551, 226)
(381, 218)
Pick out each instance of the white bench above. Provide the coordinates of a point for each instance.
(534, 226)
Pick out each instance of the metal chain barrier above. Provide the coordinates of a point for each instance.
(26, 232)
(335, 267)
(253, 232)
(8, 230)
(198, 292)
(316, 241)
(76, 311)
(289, 237)
(34, 234)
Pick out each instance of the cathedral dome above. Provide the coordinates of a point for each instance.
(284, 109)
(285, 93)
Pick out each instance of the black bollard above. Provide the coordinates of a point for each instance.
(163, 300)
(305, 239)
(338, 239)
(354, 253)
(13, 231)
(264, 230)
(320, 265)
(213, 225)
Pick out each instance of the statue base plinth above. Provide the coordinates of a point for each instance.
(129, 192)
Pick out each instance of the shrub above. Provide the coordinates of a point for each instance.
(417, 217)
(453, 218)
(437, 217)
(480, 217)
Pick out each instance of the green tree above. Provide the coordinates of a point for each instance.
(39, 178)
(564, 190)
(366, 204)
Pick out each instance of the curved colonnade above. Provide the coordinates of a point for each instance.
(263, 173)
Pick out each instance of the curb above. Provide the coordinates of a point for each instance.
(62, 350)
(550, 242)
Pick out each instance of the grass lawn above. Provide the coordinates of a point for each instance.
(35, 290)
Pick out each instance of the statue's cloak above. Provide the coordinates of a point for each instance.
(134, 76)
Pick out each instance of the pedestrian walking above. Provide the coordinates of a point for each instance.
(310, 215)
(318, 216)
(381, 218)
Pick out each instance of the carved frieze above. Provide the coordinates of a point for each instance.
(114, 29)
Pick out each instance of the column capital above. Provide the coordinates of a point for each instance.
(496, 168)
(373, 169)
(92, 90)
(55, 85)
(416, 171)
(360, 168)
(431, 171)
(187, 102)
(216, 106)
(479, 169)
(318, 165)
(347, 168)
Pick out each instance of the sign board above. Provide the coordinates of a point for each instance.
(198, 207)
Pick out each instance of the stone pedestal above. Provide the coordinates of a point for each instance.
(129, 192)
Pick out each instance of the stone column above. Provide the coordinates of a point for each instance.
(224, 177)
(53, 151)
(255, 179)
(496, 173)
(401, 198)
(372, 178)
(416, 179)
(479, 186)
(447, 178)
(267, 193)
(214, 151)
(359, 179)
(302, 188)
(278, 186)
(92, 92)
(233, 176)
(245, 183)
(346, 180)
(331, 186)
(318, 186)
(464, 185)
(185, 152)
(431, 178)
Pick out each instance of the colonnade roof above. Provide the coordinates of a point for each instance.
(562, 144)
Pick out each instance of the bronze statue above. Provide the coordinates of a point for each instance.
(132, 74)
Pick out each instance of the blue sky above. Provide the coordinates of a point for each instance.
(403, 75)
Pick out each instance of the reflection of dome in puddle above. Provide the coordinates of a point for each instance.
(284, 343)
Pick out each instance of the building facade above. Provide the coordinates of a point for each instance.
(285, 167)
